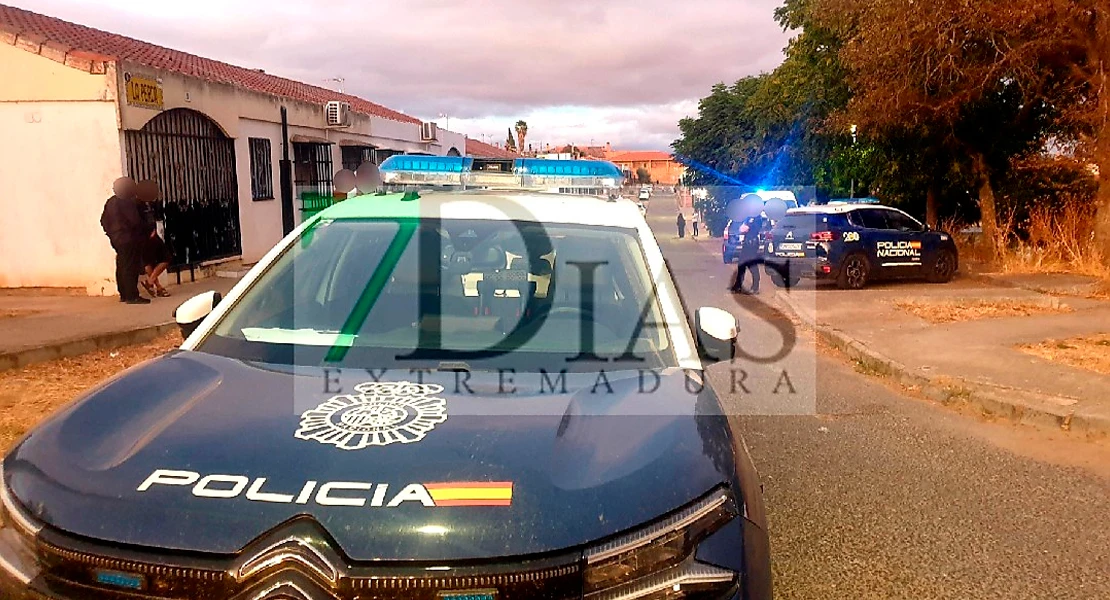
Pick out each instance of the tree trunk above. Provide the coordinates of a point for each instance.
(988, 212)
(1102, 147)
(931, 206)
(1102, 212)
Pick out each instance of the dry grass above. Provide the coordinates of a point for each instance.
(1058, 238)
(952, 311)
(30, 394)
(1091, 353)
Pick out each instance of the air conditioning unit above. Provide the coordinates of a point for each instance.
(429, 132)
(338, 113)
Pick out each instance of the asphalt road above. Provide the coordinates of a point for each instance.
(877, 494)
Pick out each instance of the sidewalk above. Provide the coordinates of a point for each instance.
(39, 327)
(974, 360)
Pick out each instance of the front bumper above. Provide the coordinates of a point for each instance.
(296, 563)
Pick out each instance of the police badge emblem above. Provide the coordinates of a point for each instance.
(379, 414)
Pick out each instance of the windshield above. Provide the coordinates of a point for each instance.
(805, 222)
(497, 294)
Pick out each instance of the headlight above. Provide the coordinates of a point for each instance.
(658, 562)
(17, 537)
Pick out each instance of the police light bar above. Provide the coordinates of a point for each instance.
(576, 176)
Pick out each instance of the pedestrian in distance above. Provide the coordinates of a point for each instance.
(694, 224)
(748, 256)
(681, 222)
(123, 224)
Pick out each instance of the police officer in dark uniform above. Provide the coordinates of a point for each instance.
(748, 254)
(123, 223)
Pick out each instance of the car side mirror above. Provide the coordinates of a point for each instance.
(192, 311)
(717, 333)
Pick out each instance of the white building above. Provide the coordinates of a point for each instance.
(80, 107)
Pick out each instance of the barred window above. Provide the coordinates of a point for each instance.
(354, 156)
(262, 172)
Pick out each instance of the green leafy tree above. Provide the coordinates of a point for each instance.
(510, 143)
(643, 175)
(955, 74)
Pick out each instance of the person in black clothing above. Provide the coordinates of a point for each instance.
(156, 255)
(681, 222)
(123, 223)
(748, 255)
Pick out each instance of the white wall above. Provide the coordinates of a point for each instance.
(60, 154)
(57, 164)
(259, 220)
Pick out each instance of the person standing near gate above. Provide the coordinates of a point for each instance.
(694, 224)
(156, 255)
(681, 223)
(123, 223)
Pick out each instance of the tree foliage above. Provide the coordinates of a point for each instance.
(521, 133)
(947, 97)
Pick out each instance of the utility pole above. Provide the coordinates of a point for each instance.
(285, 178)
(447, 124)
(852, 194)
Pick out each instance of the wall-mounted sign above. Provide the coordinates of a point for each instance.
(143, 91)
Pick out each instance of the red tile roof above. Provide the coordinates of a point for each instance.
(484, 150)
(63, 39)
(639, 156)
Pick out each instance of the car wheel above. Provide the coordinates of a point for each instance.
(944, 267)
(854, 272)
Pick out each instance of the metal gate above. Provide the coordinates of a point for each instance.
(194, 164)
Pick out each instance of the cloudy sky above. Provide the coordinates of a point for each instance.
(620, 71)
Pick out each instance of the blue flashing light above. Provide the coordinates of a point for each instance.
(527, 173)
(427, 164)
(567, 168)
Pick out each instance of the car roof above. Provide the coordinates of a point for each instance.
(829, 209)
(490, 205)
(772, 194)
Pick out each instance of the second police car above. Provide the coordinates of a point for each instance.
(480, 394)
(853, 244)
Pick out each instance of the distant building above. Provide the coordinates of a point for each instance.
(662, 166)
(82, 107)
(483, 150)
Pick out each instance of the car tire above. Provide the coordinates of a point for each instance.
(854, 272)
(943, 267)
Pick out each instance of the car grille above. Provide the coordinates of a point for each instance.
(296, 562)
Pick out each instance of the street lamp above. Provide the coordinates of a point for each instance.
(447, 124)
(853, 192)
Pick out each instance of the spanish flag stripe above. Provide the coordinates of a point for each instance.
(505, 502)
(469, 484)
(471, 494)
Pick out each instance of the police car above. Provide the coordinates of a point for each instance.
(854, 244)
(467, 380)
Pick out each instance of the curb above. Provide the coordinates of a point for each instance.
(74, 347)
(1016, 405)
(1081, 290)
